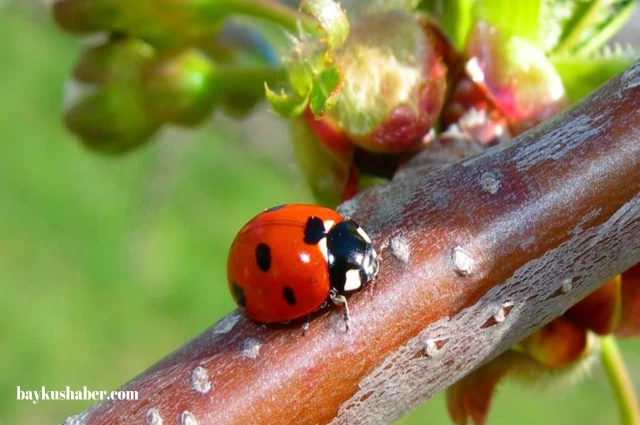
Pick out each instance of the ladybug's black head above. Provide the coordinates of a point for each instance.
(351, 257)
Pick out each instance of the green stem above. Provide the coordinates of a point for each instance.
(620, 383)
(275, 12)
(574, 37)
(247, 79)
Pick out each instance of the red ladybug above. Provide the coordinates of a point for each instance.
(289, 260)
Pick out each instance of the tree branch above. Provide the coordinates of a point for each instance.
(475, 256)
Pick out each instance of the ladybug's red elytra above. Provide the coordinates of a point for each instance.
(289, 260)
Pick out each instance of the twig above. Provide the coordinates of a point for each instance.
(620, 381)
(476, 255)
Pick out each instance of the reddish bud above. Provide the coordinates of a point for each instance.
(394, 83)
(630, 320)
(473, 111)
(601, 310)
(517, 76)
(557, 344)
(330, 136)
(353, 184)
(325, 156)
(471, 396)
(442, 46)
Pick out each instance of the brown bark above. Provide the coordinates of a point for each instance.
(475, 256)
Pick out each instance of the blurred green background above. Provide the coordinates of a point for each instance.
(107, 265)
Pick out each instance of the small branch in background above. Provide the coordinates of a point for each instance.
(274, 11)
(475, 256)
(620, 382)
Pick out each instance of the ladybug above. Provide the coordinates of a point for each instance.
(289, 260)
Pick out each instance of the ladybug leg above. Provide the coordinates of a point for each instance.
(305, 326)
(341, 300)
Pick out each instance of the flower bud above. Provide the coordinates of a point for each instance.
(394, 83)
(119, 59)
(557, 344)
(179, 87)
(78, 15)
(516, 75)
(167, 22)
(472, 110)
(600, 311)
(630, 320)
(112, 119)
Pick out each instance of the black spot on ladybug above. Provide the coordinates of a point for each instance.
(238, 294)
(276, 208)
(314, 231)
(263, 257)
(288, 295)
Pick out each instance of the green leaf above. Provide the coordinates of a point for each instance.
(455, 17)
(325, 91)
(312, 77)
(300, 73)
(333, 20)
(607, 29)
(592, 24)
(583, 74)
(518, 18)
(285, 105)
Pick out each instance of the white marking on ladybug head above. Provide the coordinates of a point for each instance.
(366, 263)
(370, 264)
(322, 245)
(328, 224)
(352, 281)
(364, 235)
